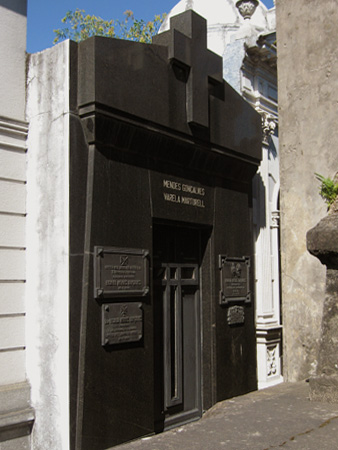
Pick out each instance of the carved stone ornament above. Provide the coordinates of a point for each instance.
(268, 125)
(271, 361)
(275, 219)
(247, 8)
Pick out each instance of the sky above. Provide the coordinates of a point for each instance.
(43, 16)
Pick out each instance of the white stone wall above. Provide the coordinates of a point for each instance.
(13, 132)
(259, 88)
(13, 29)
(266, 222)
(48, 246)
(16, 415)
(12, 250)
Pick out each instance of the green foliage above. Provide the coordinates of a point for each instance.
(328, 189)
(79, 26)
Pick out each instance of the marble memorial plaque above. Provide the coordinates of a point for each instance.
(121, 323)
(120, 272)
(234, 279)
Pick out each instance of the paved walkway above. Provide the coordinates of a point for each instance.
(281, 417)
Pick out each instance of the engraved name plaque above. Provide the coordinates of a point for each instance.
(235, 315)
(234, 279)
(120, 272)
(121, 323)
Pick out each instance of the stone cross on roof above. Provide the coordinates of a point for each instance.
(187, 46)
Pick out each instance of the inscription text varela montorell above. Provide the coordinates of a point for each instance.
(183, 194)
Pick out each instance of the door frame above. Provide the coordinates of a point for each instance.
(178, 416)
(173, 346)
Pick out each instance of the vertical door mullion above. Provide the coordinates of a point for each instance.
(178, 340)
(172, 333)
(166, 341)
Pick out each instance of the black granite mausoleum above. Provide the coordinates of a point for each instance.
(163, 152)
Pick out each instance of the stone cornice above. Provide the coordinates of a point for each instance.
(16, 413)
(13, 134)
(263, 52)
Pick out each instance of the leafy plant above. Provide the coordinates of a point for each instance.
(79, 26)
(328, 189)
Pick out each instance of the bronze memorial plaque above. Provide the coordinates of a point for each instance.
(234, 279)
(121, 323)
(120, 272)
(236, 315)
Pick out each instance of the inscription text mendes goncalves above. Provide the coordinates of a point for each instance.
(123, 277)
(235, 285)
(181, 193)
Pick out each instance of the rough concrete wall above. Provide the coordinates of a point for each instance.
(307, 42)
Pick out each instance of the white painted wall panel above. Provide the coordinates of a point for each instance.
(12, 264)
(13, 29)
(12, 298)
(12, 197)
(13, 132)
(12, 165)
(12, 231)
(12, 332)
(12, 367)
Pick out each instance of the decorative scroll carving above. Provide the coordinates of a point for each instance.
(271, 361)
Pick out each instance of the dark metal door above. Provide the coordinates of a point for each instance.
(181, 343)
(181, 332)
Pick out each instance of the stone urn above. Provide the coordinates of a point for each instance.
(322, 242)
(247, 8)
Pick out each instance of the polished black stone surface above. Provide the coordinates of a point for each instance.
(193, 63)
(140, 81)
(151, 159)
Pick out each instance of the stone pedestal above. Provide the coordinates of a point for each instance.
(322, 242)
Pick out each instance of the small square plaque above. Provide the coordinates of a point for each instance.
(121, 323)
(120, 272)
(236, 315)
(234, 279)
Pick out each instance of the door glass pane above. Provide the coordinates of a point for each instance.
(173, 272)
(188, 273)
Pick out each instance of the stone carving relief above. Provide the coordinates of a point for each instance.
(274, 219)
(271, 361)
(268, 125)
(247, 8)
